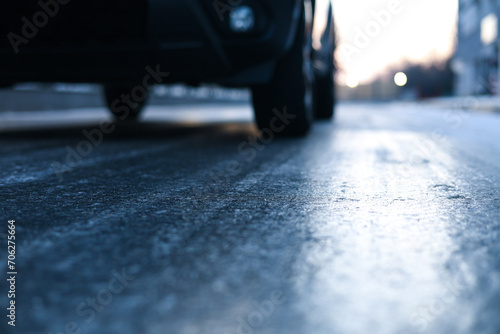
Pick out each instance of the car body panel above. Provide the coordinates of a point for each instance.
(188, 38)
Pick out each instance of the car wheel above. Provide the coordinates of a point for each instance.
(325, 93)
(123, 110)
(290, 91)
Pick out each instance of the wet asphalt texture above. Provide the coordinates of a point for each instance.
(386, 220)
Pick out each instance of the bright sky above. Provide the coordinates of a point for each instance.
(416, 31)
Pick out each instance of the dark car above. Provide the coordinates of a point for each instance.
(281, 49)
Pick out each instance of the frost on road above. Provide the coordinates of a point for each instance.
(384, 221)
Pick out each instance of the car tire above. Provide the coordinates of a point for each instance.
(125, 112)
(325, 93)
(290, 91)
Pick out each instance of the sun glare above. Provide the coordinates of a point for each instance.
(374, 35)
(351, 81)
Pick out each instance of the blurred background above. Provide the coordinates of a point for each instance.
(396, 49)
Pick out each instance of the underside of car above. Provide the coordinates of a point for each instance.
(281, 49)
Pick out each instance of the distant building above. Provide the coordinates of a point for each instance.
(477, 56)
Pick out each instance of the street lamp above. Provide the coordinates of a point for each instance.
(400, 79)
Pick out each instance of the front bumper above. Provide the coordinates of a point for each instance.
(109, 40)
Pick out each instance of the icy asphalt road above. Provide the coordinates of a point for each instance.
(386, 221)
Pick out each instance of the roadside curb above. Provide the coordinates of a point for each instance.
(489, 104)
(48, 99)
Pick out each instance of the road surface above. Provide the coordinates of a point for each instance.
(384, 221)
